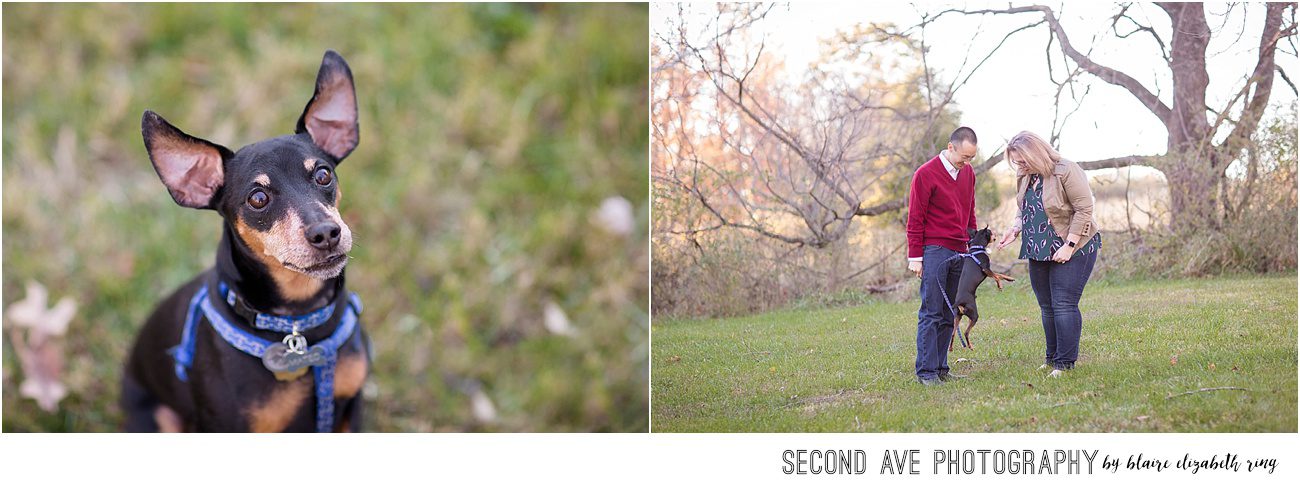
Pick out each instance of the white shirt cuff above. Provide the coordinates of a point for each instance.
(914, 259)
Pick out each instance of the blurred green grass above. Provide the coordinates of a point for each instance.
(490, 135)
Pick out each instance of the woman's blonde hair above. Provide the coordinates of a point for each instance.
(1039, 157)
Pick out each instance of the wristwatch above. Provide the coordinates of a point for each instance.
(1071, 244)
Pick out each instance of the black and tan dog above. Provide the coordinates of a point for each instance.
(974, 270)
(231, 349)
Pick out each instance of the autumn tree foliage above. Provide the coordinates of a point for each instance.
(760, 177)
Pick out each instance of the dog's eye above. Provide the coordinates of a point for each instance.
(258, 199)
(323, 176)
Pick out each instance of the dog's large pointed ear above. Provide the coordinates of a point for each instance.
(970, 232)
(193, 169)
(331, 115)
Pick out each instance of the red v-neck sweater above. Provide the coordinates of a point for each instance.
(940, 209)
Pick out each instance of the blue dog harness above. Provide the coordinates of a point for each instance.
(943, 271)
(256, 346)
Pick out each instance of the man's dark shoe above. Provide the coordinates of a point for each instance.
(945, 376)
(928, 382)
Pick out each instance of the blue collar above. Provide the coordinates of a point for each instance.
(256, 346)
(276, 323)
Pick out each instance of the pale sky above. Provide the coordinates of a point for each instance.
(1011, 92)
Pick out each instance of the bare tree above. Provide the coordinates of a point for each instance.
(1194, 164)
(793, 162)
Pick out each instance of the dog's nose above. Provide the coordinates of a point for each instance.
(323, 235)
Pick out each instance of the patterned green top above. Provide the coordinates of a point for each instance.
(1036, 233)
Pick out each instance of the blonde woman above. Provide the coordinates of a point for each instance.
(1059, 238)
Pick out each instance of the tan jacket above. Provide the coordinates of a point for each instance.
(1067, 200)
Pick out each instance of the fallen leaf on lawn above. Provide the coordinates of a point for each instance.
(1143, 418)
(1211, 365)
(1235, 369)
(39, 347)
(47, 393)
(1174, 360)
(1031, 386)
(555, 320)
(771, 369)
(616, 216)
(31, 312)
(674, 359)
(481, 407)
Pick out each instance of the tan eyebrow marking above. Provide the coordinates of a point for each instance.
(309, 164)
(263, 180)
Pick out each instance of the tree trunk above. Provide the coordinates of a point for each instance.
(1193, 189)
(1190, 162)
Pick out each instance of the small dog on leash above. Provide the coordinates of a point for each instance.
(231, 350)
(974, 270)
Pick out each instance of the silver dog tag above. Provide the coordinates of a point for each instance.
(296, 343)
(279, 358)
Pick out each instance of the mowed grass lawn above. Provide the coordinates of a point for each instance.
(851, 369)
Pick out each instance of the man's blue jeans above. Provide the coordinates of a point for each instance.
(934, 320)
(1059, 288)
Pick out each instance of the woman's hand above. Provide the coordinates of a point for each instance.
(1008, 237)
(1063, 254)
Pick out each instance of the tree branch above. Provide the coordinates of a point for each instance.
(1118, 162)
(1137, 27)
(1287, 79)
(1107, 74)
(1208, 389)
(1262, 77)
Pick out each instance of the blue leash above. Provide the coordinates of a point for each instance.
(256, 346)
(943, 271)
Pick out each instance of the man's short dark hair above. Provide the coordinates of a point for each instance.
(962, 134)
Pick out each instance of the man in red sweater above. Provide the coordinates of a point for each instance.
(941, 210)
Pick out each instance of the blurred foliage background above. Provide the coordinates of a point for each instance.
(491, 135)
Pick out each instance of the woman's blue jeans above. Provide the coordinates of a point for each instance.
(1059, 288)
